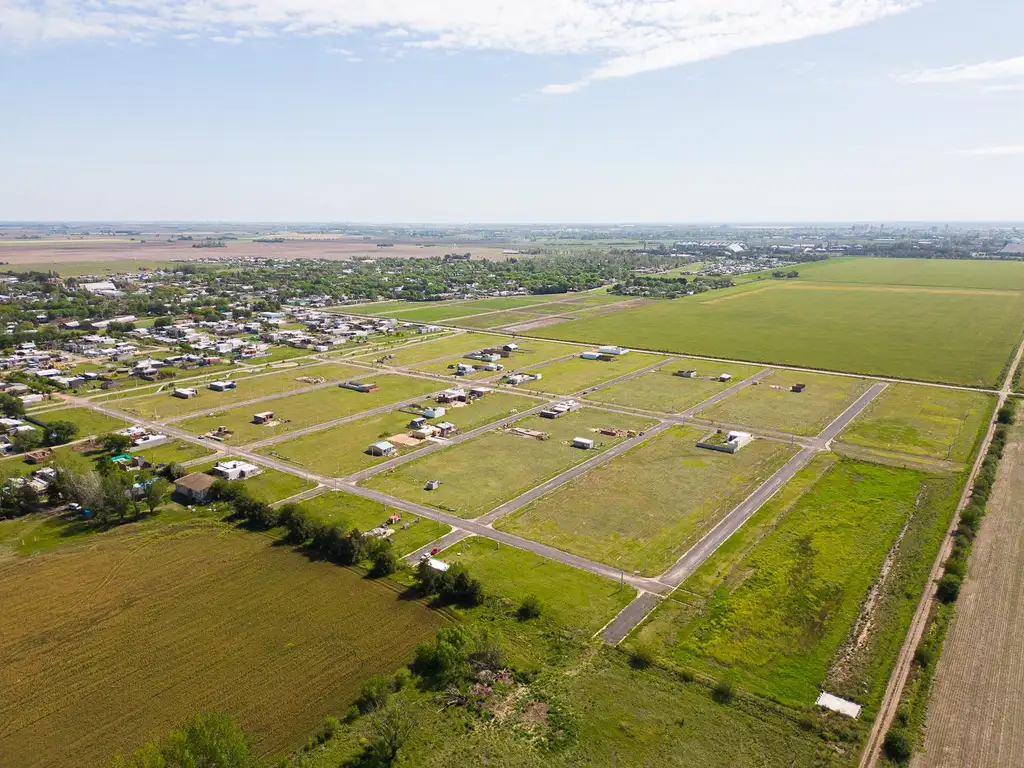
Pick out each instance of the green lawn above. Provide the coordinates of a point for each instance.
(480, 474)
(270, 486)
(660, 390)
(496, 320)
(926, 421)
(165, 405)
(769, 404)
(347, 511)
(174, 451)
(643, 510)
(955, 336)
(571, 376)
(310, 408)
(432, 350)
(88, 421)
(341, 450)
(573, 598)
(531, 352)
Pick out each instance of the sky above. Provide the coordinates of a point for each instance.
(460, 111)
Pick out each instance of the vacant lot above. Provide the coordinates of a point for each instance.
(577, 374)
(950, 273)
(104, 646)
(270, 486)
(346, 512)
(771, 403)
(175, 450)
(300, 411)
(660, 390)
(165, 405)
(643, 510)
(575, 599)
(923, 421)
(496, 320)
(88, 421)
(956, 336)
(482, 473)
(531, 352)
(433, 350)
(341, 450)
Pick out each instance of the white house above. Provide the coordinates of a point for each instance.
(236, 470)
(382, 448)
(434, 412)
(186, 393)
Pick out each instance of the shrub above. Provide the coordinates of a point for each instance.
(723, 692)
(374, 695)
(897, 746)
(956, 566)
(300, 527)
(642, 655)
(924, 656)
(949, 588)
(385, 562)
(529, 608)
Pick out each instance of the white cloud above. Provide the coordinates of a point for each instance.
(1003, 151)
(964, 73)
(340, 51)
(1003, 88)
(627, 36)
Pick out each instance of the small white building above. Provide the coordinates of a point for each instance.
(511, 347)
(613, 350)
(263, 418)
(725, 377)
(382, 448)
(583, 442)
(591, 356)
(222, 386)
(185, 393)
(236, 470)
(434, 412)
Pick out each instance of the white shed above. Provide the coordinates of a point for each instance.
(583, 442)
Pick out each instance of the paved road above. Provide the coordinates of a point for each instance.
(445, 542)
(717, 398)
(851, 413)
(630, 617)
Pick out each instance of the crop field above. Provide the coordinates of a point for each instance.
(644, 509)
(89, 422)
(927, 421)
(435, 349)
(340, 451)
(531, 353)
(958, 336)
(165, 405)
(778, 619)
(769, 404)
(941, 273)
(574, 598)
(345, 511)
(480, 474)
(271, 486)
(211, 619)
(569, 376)
(662, 391)
(311, 408)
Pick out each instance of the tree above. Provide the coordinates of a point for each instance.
(29, 440)
(385, 561)
(175, 471)
(154, 493)
(898, 746)
(949, 588)
(116, 492)
(114, 443)
(390, 729)
(374, 695)
(60, 432)
(215, 741)
(11, 406)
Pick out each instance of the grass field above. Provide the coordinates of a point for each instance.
(482, 473)
(577, 374)
(88, 421)
(927, 421)
(437, 348)
(165, 405)
(347, 512)
(270, 486)
(643, 510)
(660, 390)
(949, 273)
(956, 336)
(777, 620)
(311, 408)
(531, 352)
(496, 320)
(574, 598)
(804, 413)
(106, 645)
(173, 451)
(341, 450)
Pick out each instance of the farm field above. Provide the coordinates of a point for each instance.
(661, 391)
(311, 408)
(644, 509)
(575, 599)
(938, 423)
(777, 620)
(480, 474)
(271, 486)
(571, 376)
(90, 633)
(341, 450)
(531, 352)
(89, 422)
(958, 336)
(345, 511)
(943, 273)
(804, 413)
(165, 405)
(431, 350)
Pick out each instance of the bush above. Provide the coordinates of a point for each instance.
(924, 656)
(642, 655)
(723, 692)
(897, 746)
(175, 471)
(956, 566)
(385, 562)
(949, 588)
(300, 527)
(374, 695)
(529, 608)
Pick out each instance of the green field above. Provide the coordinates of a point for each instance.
(432, 350)
(496, 320)
(165, 405)
(174, 451)
(571, 376)
(341, 450)
(947, 273)
(480, 474)
(764, 406)
(926, 421)
(310, 408)
(777, 620)
(930, 334)
(88, 421)
(660, 390)
(573, 598)
(643, 510)
(346, 512)
(531, 352)
(270, 486)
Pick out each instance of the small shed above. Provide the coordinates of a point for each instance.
(434, 412)
(799, 387)
(186, 393)
(591, 356)
(583, 442)
(725, 377)
(433, 485)
(382, 448)
(263, 418)
(445, 428)
(689, 374)
(511, 347)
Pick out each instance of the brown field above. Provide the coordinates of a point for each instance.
(975, 717)
(107, 644)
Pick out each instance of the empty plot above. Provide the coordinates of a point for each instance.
(771, 403)
(177, 451)
(296, 412)
(480, 474)
(569, 376)
(530, 352)
(927, 421)
(341, 450)
(661, 390)
(211, 619)
(496, 320)
(643, 510)
(432, 350)
(88, 421)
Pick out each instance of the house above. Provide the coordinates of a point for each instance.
(612, 350)
(432, 485)
(484, 357)
(149, 440)
(382, 448)
(591, 356)
(462, 369)
(38, 457)
(236, 470)
(417, 422)
(434, 412)
(583, 442)
(357, 386)
(511, 347)
(478, 392)
(265, 417)
(558, 410)
(186, 393)
(424, 432)
(452, 395)
(223, 386)
(196, 487)
(445, 428)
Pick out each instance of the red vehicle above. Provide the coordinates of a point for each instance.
(434, 551)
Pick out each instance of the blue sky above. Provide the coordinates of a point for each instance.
(512, 110)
